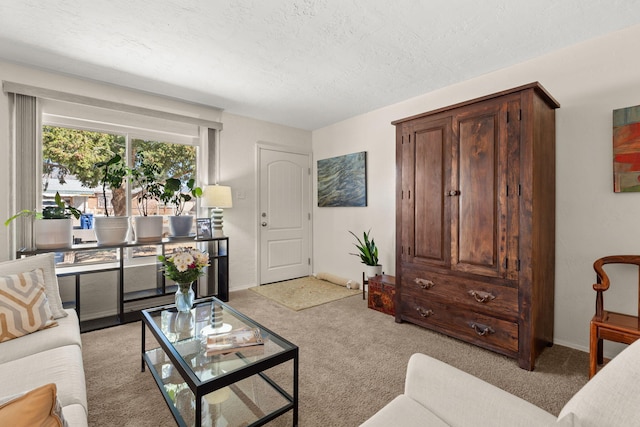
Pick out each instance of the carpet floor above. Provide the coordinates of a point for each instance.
(305, 292)
(352, 362)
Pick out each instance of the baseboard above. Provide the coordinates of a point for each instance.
(571, 345)
(242, 287)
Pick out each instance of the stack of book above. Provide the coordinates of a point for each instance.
(232, 341)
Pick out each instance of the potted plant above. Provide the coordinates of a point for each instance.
(180, 225)
(111, 230)
(53, 228)
(146, 181)
(368, 254)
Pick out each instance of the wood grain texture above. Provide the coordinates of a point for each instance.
(482, 216)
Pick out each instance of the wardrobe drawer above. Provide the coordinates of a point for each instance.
(476, 295)
(474, 327)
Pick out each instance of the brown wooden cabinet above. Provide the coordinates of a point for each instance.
(475, 216)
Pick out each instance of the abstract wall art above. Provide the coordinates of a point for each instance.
(342, 181)
(626, 149)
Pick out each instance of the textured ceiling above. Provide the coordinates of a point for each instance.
(302, 63)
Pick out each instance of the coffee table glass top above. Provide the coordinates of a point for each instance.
(235, 384)
(187, 333)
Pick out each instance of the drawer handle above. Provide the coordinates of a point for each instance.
(482, 330)
(424, 283)
(481, 296)
(424, 312)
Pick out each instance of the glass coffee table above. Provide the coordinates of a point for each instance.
(248, 386)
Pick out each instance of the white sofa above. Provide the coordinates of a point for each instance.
(52, 355)
(437, 394)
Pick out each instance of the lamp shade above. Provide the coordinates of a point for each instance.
(217, 196)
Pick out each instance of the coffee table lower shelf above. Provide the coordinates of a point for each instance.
(246, 386)
(253, 401)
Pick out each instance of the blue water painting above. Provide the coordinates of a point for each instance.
(342, 181)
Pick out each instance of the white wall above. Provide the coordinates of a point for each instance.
(238, 169)
(589, 80)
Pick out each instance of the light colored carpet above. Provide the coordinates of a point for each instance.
(305, 292)
(352, 362)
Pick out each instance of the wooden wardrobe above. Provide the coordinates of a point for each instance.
(475, 213)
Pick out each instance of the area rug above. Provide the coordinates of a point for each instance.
(305, 292)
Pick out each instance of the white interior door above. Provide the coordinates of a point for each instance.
(285, 215)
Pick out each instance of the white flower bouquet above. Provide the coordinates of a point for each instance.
(185, 265)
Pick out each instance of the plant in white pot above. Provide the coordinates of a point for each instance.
(53, 228)
(368, 254)
(146, 181)
(179, 224)
(111, 230)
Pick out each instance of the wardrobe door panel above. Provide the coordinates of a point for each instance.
(479, 219)
(432, 170)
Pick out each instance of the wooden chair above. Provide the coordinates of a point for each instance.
(609, 325)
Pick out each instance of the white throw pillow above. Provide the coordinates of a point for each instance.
(47, 263)
(24, 308)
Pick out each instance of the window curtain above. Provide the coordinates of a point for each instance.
(25, 164)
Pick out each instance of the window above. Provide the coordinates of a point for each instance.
(69, 158)
(68, 167)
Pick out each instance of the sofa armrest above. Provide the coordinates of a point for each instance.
(612, 396)
(461, 399)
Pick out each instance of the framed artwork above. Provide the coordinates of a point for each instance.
(203, 228)
(342, 181)
(626, 149)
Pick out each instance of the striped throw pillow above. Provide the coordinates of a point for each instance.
(23, 305)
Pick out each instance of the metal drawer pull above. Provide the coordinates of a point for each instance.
(482, 329)
(424, 312)
(481, 296)
(424, 283)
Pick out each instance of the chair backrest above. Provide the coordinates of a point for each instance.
(603, 281)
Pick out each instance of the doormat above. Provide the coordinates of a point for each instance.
(305, 292)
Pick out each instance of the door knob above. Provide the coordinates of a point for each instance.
(452, 193)
(264, 223)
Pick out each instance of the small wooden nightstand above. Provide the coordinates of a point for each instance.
(382, 291)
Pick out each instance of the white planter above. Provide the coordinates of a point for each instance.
(148, 228)
(372, 270)
(180, 225)
(53, 233)
(111, 230)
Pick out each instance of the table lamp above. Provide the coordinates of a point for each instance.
(217, 197)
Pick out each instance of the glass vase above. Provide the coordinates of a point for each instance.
(184, 297)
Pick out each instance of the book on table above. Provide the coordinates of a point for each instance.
(234, 340)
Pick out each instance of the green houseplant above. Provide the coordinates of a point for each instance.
(112, 230)
(147, 182)
(174, 195)
(113, 172)
(53, 227)
(368, 253)
(180, 225)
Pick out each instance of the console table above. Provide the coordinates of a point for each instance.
(217, 280)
